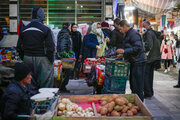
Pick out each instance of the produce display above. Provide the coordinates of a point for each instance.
(117, 106)
(66, 108)
(64, 54)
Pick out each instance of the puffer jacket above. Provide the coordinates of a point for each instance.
(64, 42)
(152, 46)
(15, 101)
(133, 47)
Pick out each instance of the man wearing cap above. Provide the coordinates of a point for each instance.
(16, 99)
(152, 50)
(36, 48)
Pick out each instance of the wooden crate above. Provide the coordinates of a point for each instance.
(146, 115)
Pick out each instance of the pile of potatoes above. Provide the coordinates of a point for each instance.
(117, 106)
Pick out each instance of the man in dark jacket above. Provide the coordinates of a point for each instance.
(77, 41)
(116, 35)
(64, 44)
(152, 50)
(36, 48)
(133, 52)
(16, 99)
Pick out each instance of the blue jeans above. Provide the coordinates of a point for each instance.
(137, 79)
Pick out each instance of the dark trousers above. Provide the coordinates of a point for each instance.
(137, 79)
(148, 83)
(179, 78)
(66, 79)
(167, 63)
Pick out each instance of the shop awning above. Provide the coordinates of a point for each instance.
(155, 6)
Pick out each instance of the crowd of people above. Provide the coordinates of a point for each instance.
(36, 47)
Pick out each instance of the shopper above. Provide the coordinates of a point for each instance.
(76, 41)
(167, 52)
(105, 28)
(133, 52)
(36, 48)
(16, 99)
(152, 50)
(116, 35)
(64, 44)
(173, 41)
(176, 47)
(95, 40)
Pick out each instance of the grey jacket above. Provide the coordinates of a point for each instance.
(152, 46)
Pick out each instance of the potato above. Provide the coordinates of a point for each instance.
(114, 96)
(124, 114)
(136, 107)
(118, 108)
(104, 103)
(110, 99)
(99, 109)
(110, 109)
(134, 111)
(125, 100)
(119, 101)
(129, 105)
(129, 113)
(115, 113)
(61, 106)
(107, 105)
(125, 109)
(60, 101)
(104, 111)
(112, 103)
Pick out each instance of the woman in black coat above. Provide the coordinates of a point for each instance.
(76, 40)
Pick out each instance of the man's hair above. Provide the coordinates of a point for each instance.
(124, 22)
(117, 21)
(65, 25)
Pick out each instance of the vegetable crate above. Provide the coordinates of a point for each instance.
(132, 98)
(114, 85)
(116, 74)
(68, 63)
(117, 68)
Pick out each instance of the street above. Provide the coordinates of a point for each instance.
(164, 105)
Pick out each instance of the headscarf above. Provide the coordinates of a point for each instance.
(98, 32)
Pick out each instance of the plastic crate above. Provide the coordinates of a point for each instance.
(117, 68)
(114, 85)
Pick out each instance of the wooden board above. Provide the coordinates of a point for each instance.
(146, 115)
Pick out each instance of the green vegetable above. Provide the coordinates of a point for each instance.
(66, 54)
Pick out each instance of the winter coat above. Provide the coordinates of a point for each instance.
(117, 38)
(91, 42)
(64, 42)
(84, 50)
(177, 54)
(166, 50)
(15, 101)
(107, 31)
(133, 47)
(36, 40)
(152, 46)
(76, 41)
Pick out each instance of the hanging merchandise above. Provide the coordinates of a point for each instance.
(163, 21)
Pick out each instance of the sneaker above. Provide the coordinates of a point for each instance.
(165, 71)
(176, 86)
(168, 69)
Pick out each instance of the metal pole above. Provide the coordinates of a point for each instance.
(47, 12)
(75, 11)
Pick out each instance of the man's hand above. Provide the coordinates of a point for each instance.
(120, 51)
(98, 47)
(120, 55)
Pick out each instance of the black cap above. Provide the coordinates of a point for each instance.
(21, 71)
